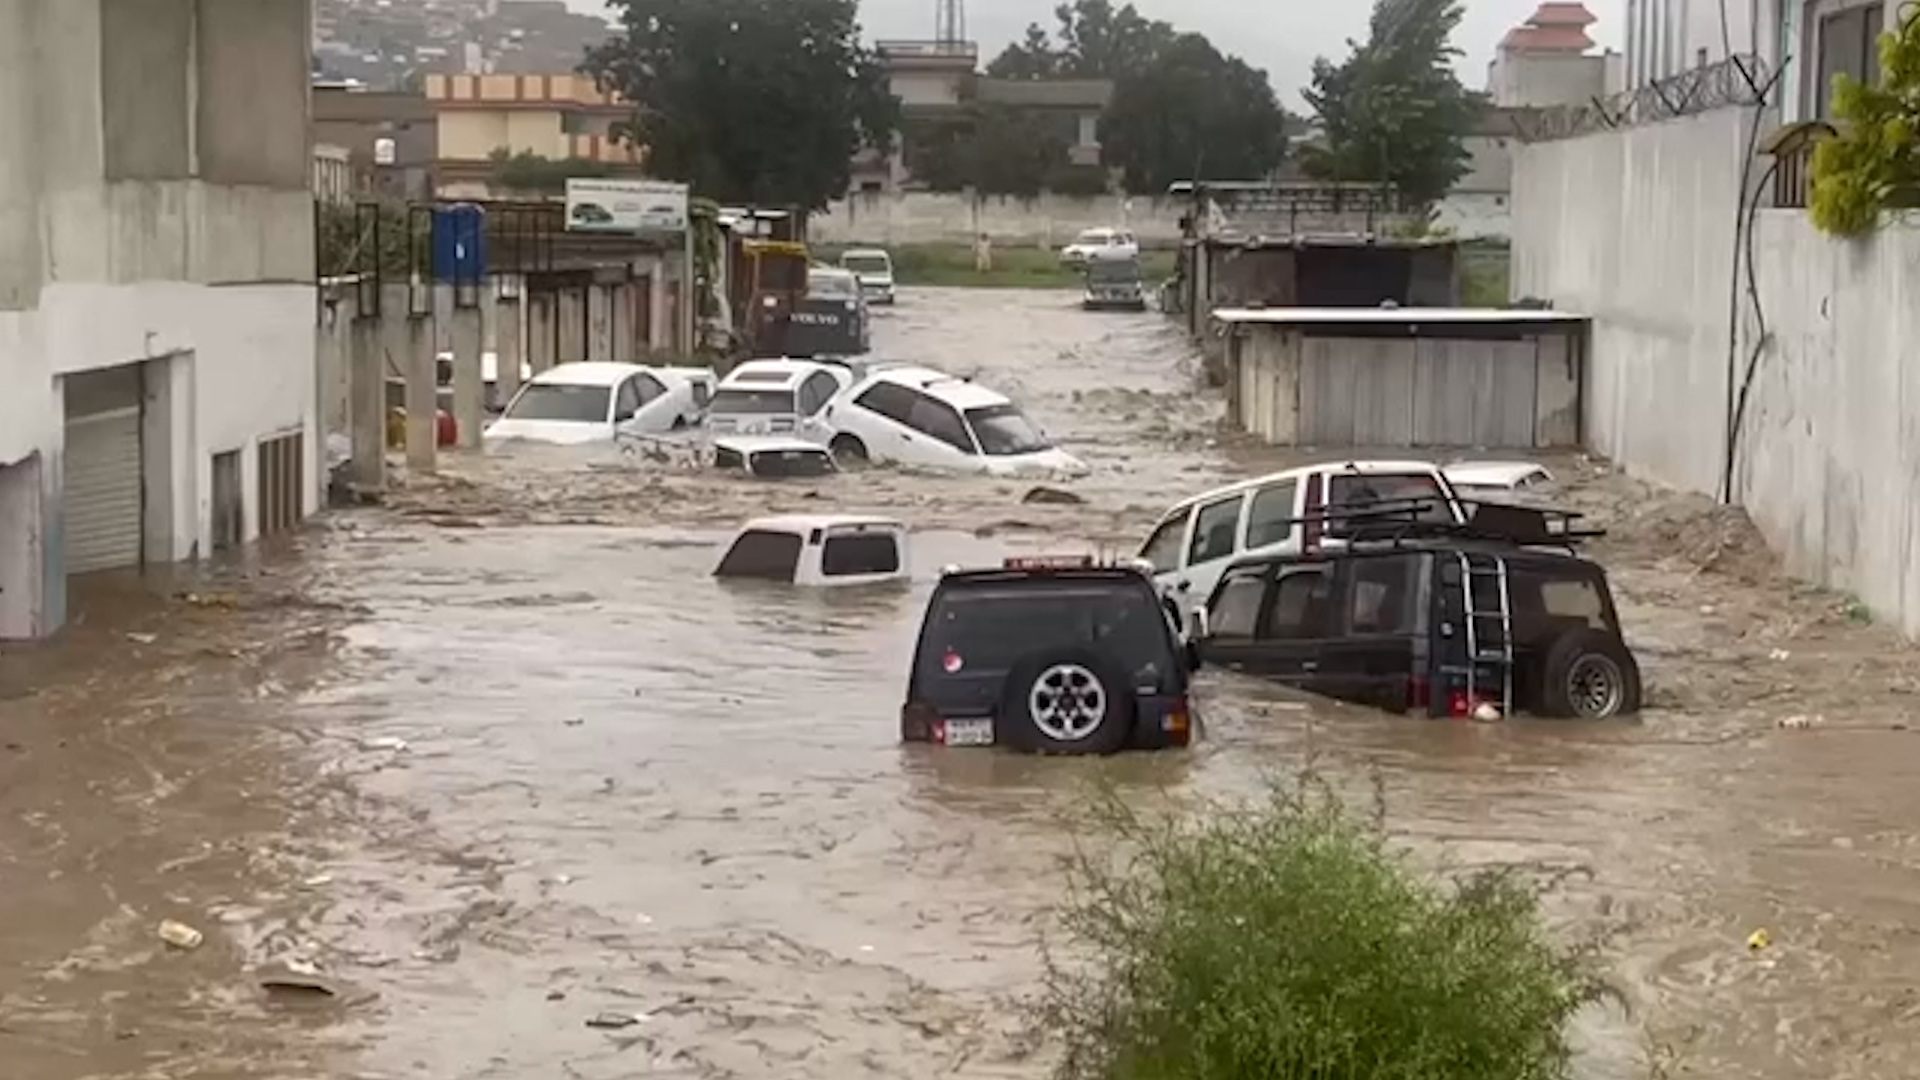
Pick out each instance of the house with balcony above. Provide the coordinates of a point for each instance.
(478, 118)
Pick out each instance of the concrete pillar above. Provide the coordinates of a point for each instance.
(22, 550)
(469, 388)
(508, 339)
(660, 313)
(600, 344)
(573, 326)
(541, 313)
(417, 360)
(368, 415)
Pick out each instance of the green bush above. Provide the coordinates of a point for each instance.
(1286, 941)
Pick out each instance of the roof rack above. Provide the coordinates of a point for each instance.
(1396, 522)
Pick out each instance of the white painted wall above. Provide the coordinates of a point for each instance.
(1637, 229)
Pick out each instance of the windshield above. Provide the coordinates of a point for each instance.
(558, 401)
(753, 401)
(991, 627)
(1004, 429)
(1114, 272)
(867, 264)
(832, 286)
(1094, 236)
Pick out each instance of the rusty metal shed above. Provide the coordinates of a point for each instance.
(1406, 377)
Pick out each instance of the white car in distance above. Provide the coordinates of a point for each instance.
(874, 268)
(921, 417)
(778, 397)
(818, 550)
(596, 401)
(1100, 244)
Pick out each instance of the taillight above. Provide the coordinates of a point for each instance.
(1178, 722)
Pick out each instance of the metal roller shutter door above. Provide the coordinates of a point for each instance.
(101, 503)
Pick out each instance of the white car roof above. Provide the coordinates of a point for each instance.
(1419, 468)
(1494, 474)
(955, 391)
(867, 253)
(804, 523)
(588, 373)
(792, 371)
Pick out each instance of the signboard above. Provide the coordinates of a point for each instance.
(625, 206)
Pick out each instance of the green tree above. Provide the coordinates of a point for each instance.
(1873, 163)
(992, 148)
(1192, 112)
(1394, 112)
(755, 101)
(1095, 40)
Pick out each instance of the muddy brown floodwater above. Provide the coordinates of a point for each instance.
(501, 757)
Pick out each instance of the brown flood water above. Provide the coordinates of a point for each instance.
(502, 757)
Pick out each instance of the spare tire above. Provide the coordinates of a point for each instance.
(1065, 701)
(1589, 675)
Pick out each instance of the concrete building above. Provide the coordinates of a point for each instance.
(156, 287)
(390, 136)
(1549, 60)
(1668, 37)
(1478, 206)
(556, 117)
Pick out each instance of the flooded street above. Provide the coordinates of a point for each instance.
(501, 757)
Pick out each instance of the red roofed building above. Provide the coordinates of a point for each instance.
(1546, 60)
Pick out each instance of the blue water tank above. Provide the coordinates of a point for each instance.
(459, 242)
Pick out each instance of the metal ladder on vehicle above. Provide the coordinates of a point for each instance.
(1487, 614)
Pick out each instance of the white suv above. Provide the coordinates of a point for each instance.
(927, 418)
(1196, 540)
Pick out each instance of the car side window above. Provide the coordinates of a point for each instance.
(1270, 516)
(649, 387)
(702, 393)
(627, 401)
(768, 556)
(1213, 530)
(891, 400)
(1235, 611)
(845, 556)
(938, 420)
(1297, 608)
(1162, 549)
(1380, 595)
(816, 392)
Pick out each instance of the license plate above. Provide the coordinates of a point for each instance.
(968, 733)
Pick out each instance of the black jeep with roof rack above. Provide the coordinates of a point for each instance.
(1049, 655)
(1498, 612)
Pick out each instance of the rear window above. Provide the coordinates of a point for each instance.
(762, 555)
(753, 401)
(849, 556)
(990, 627)
(1353, 491)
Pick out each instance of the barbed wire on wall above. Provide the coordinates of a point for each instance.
(1741, 79)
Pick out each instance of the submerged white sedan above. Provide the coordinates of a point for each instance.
(597, 401)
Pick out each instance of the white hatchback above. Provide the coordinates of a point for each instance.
(778, 397)
(1101, 244)
(597, 401)
(921, 417)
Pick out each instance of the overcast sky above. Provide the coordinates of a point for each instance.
(1283, 38)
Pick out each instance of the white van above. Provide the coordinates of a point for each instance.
(818, 550)
(1194, 542)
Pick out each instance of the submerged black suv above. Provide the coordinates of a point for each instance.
(1441, 618)
(1059, 656)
